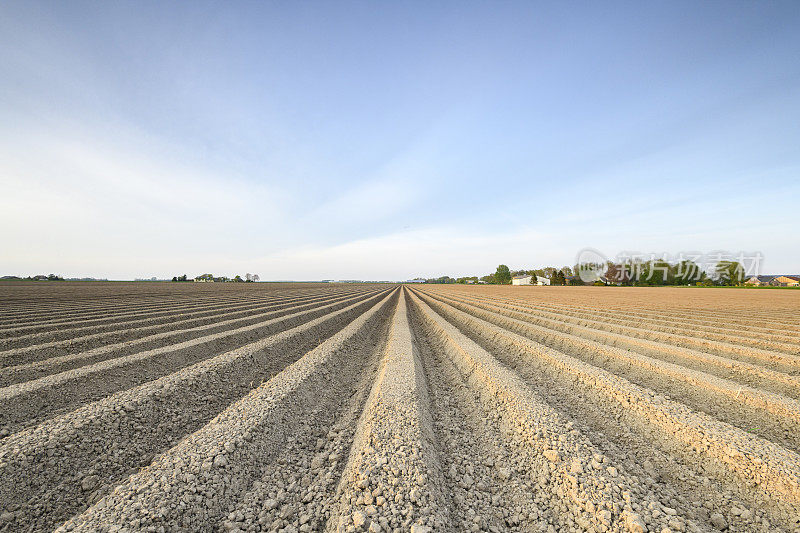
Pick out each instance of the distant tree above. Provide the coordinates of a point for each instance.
(549, 272)
(729, 273)
(619, 273)
(489, 279)
(237, 278)
(442, 279)
(575, 280)
(558, 278)
(503, 275)
(174, 278)
(655, 273)
(687, 272)
(567, 271)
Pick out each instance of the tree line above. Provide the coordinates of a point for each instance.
(638, 273)
(248, 278)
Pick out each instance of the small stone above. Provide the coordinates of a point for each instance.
(89, 482)
(576, 467)
(220, 461)
(416, 528)
(634, 523)
(270, 504)
(504, 473)
(552, 456)
(359, 519)
(718, 521)
(611, 471)
(6, 517)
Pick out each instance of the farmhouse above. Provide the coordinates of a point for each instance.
(541, 280)
(521, 280)
(759, 281)
(785, 281)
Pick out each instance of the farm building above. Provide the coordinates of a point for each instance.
(541, 280)
(785, 281)
(774, 281)
(521, 280)
(759, 281)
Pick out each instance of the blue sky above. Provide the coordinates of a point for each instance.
(310, 140)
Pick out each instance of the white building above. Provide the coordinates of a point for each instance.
(541, 280)
(521, 280)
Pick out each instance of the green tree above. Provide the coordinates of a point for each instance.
(503, 275)
(730, 273)
(656, 273)
(687, 272)
(489, 279)
(558, 278)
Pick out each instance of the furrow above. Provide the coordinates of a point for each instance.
(57, 469)
(393, 478)
(19, 373)
(195, 482)
(578, 486)
(26, 335)
(669, 323)
(778, 361)
(93, 311)
(769, 415)
(29, 403)
(782, 343)
(732, 369)
(68, 346)
(762, 472)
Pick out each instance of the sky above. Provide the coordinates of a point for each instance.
(376, 140)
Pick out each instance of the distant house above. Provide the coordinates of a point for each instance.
(541, 280)
(759, 281)
(521, 280)
(785, 281)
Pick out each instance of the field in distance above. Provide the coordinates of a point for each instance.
(367, 407)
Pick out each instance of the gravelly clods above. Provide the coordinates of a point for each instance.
(358, 407)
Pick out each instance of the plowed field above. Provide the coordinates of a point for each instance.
(326, 407)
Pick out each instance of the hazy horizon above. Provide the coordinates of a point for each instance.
(387, 141)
